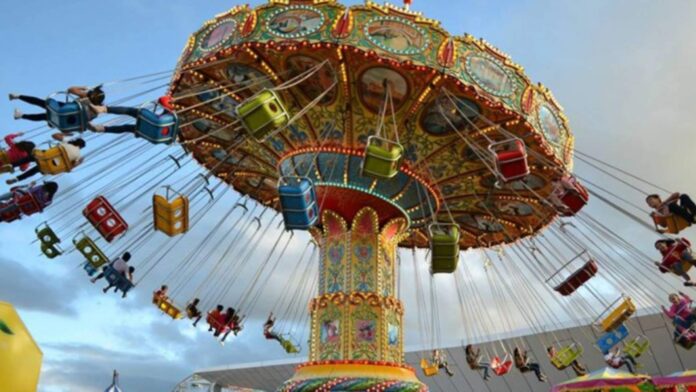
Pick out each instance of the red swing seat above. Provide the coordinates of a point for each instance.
(578, 278)
(104, 217)
(25, 203)
(510, 159)
(501, 367)
(574, 199)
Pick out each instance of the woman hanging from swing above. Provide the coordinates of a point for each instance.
(88, 100)
(193, 312)
(677, 258)
(524, 364)
(678, 204)
(438, 359)
(616, 360)
(473, 358)
(268, 332)
(72, 148)
(578, 368)
(19, 154)
(165, 102)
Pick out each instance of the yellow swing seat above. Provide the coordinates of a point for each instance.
(636, 347)
(91, 252)
(49, 241)
(566, 356)
(171, 216)
(289, 346)
(619, 315)
(5, 165)
(444, 248)
(262, 114)
(168, 308)
(55, 160)
(382, 158)
(429, 369)
(673, 224)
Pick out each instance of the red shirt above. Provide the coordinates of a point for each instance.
(673, 254)
(14, 154)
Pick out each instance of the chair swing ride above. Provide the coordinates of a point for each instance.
(372, 129)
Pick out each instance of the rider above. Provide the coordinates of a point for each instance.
(19, 154)
(677, 203)
(268, 332)
(73, 150)
(615, 359)
(524, 365)
(160, 295)
(43, 194)
(473, 358)
(215, 317)
(88, 98)
(440, 360)
(673, 254)
(680, 312)
(193, 312)
(165, 102)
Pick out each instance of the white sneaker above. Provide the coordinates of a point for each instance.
(13, 96)
(17, 114)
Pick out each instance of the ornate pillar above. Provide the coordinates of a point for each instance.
(356, 341)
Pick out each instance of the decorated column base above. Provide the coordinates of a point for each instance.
(353, 376)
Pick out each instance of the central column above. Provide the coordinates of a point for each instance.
(356, 339)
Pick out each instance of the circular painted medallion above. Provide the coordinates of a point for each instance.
(373, 88)
(216, 34)
(443, 113)
(490, 74)
(550, 124)
(396, 35)
(295, 21)
(318, 83)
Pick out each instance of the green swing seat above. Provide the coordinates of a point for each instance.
(566, 356)
(289, 346)
(382, 158)
(262, 114)
(636, 347)
(49, 241)
(444, 248)
(91, 252)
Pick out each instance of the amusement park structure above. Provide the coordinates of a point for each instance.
(373, 129)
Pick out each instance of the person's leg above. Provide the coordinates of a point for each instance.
(7, 208)
(126, 128)
(107, 288)
(686, 202)
(486, 370)
(537, 371)
(29, 173)
(225, 335)
(32, 117)
(5, 197)
(198, 318)
(123, 110)
(33, 101)
(629, 366)
(24, 161)
(676, 209)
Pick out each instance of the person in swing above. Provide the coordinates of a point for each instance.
(616, 360)
(73, 148)
(268, 332)
(43, 194)
(473, 358)
(439, 359)
(524, 364)
(193, 312)
(161, 295)
(89, 98)
(215, 319)
(19, 153)
(165, 102)
(578, 368)
(674, 254)
(679, 204)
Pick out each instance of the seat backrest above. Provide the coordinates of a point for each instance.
(55, 160)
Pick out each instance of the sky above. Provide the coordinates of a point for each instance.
(622, 69)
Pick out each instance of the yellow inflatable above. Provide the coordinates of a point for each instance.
(20, 356)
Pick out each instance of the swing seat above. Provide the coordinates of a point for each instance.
(102, 215)
(619, 315)
(167, 307)
(157, 128)
(673, 224)
(444, 248)
(117, 279)
(566, 356)
(429, 369)
(298, 200)
(288, 346)
(91, 252)
(4, 159)
(636, 347)
(55, 160)
(49, 241)
(382, 158)
(577, 279)
(501, 367)
(171, 216)
(510, 157)
(262, 114)
(70, 116)
(685, 342)
(574, 199)
(610, 339)
(25, 203)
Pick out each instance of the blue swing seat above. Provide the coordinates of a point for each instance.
(67, 116)
(157, 128)
(610, 339)
(117, 279)
(298, 200)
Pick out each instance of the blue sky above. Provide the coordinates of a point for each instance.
(622, 69)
